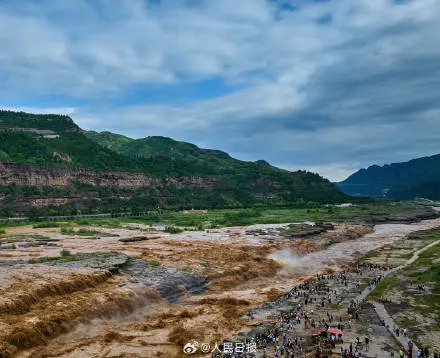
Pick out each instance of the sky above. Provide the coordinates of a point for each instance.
(330, 86)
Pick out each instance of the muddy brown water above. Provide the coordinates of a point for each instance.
(346, 252)
(294, 269)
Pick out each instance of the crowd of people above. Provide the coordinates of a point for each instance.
(310, 307)
(410, 353)
(306, 313)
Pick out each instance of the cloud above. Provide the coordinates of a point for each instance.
(330, 86)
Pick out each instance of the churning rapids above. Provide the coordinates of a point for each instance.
(347, 252)
(237, 265)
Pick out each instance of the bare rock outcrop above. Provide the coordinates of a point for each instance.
(39, 176)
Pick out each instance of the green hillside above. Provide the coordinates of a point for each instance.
(157, 146)
(54, 122)
(236, 174)
(56, 141)
(70, 150)
(109, 140)
(187, 155)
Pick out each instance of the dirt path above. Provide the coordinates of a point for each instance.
(415, 256)
(380, 308)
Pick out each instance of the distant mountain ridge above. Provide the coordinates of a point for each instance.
(150, 146)
(157, 146)
(46, 160)
(406, 180)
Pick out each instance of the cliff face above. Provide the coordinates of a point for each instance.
(38, 176)
(122, 174)
(30, 187)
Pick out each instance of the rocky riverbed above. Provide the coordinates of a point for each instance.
(148, 298)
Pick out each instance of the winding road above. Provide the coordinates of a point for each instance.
(380, 308)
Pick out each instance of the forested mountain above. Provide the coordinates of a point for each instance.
(201, 161)
(188, 159)
(415, 178)
(49, 157)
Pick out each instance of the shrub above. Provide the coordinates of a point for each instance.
(42, 259)
(65, 256)
(83, 222)
(45, 224)
(84, 232)
(173, 230)
(67, 231)
(65, 253)
(8, 247)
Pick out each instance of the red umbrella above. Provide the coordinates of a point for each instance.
(335, 331)
(317, 331)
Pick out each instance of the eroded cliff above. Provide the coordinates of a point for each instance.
(40, 176)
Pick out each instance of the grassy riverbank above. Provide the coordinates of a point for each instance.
(412, 295)
(373, 213)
